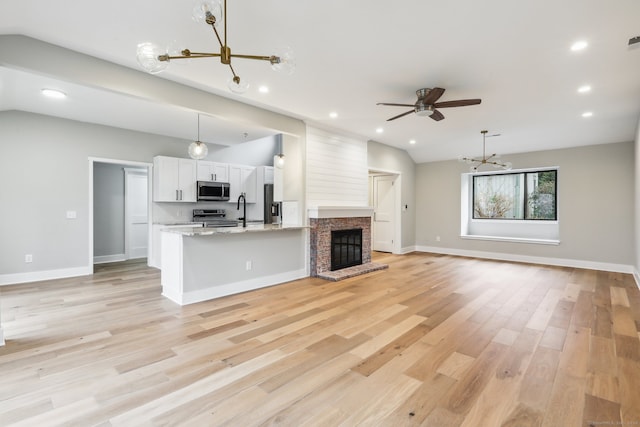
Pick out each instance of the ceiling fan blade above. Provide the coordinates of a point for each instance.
(437, 115)
(458, 103)
(433, 95)
(400, 115)
(395, 105)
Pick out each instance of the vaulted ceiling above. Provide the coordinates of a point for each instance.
(514, 55)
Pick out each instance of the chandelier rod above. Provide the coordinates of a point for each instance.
(187, 54)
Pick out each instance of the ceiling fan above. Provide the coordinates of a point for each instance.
(426, 104)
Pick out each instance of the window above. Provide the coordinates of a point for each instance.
(519, 196)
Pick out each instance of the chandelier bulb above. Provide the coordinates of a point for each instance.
(236, 85)
(149, 56)
(207, 12)
(283, 61)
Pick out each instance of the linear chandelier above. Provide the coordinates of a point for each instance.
(491, 160)
(154, 59)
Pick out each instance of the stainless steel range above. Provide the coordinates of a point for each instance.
(213, 218)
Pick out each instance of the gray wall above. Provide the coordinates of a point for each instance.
(595, 203)
(108, 209)
(385, 158)
(44, 171)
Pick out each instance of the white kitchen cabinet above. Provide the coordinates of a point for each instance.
(268, 174)
(174, 179)
(213, 171)
(242, 179)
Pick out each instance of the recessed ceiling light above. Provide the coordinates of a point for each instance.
(53, 93)
(587, 114)
(263, 89)
(579, 45)
(333, 115)
(379, 130)
(584, 89)
(412, 141)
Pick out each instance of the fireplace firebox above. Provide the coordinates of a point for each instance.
(346, 248)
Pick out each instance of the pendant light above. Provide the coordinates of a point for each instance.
(490, 160)
(278, 159)
(198, 150)
(154, 59)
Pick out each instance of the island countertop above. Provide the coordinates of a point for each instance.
(250, 228)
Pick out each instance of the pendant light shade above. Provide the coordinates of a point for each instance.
(278, 159)
(198, 150)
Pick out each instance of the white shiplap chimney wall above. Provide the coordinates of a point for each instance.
(337, 173)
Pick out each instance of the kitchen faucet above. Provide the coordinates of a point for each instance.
(244, 209)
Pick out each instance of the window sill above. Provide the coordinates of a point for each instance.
(512, 239)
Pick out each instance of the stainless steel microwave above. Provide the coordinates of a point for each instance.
(213, 191)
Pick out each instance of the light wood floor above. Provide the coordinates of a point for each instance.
(433, 340)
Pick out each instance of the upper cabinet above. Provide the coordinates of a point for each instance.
(242, 179)
(213, 171)
(174, 179)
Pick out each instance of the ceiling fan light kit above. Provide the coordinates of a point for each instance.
(492, 160)
(210, 12)
(426, 105)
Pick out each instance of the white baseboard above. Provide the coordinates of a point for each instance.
(636, 276)
(233, 288)
(36, 276)
(407, 250)
(102, 259)
(561, 262)
(1, 337)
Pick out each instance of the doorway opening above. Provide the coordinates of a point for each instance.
(119, 210)
(385, 198)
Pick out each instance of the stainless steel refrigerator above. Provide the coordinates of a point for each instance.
(272, 210)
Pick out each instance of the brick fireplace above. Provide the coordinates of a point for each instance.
(324, 220)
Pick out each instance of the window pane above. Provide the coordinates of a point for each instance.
(498, 196)
(541, 195)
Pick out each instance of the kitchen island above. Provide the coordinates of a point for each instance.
(199, 263)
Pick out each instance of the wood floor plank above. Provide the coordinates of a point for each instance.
(628, 380)
(599, 411)
(432, 340)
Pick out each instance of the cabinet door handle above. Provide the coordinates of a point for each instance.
(212, 179)
(180, 194)
(215, 176)
(177, 197)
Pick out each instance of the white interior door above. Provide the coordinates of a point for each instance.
(136, 213)
(384, 213)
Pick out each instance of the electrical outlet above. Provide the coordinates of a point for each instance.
(249, 265)
(72, 215)
(28, 258)
(437, 238)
